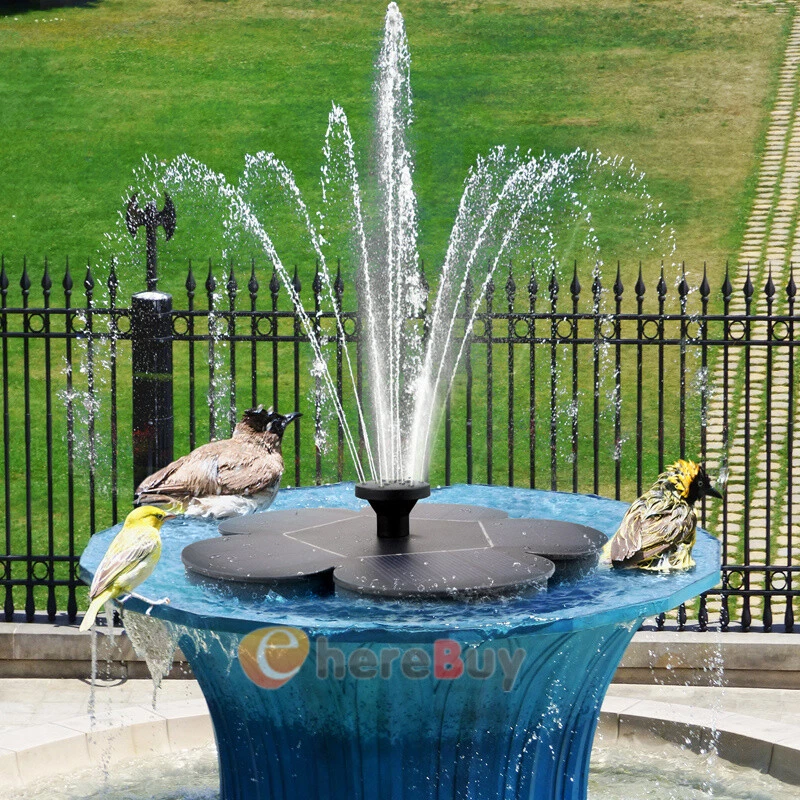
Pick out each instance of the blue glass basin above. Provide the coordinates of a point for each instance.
(436, 700)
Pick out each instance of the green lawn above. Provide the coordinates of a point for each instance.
(683, 89)
(680, 88)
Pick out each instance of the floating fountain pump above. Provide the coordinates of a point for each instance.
(392, 502)
(426, 551)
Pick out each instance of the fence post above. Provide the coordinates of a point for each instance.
(151, 345)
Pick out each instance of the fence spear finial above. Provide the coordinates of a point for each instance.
(150, 217)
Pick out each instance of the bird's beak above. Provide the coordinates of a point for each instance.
(712, 492)
(289, 417)
(169, 515)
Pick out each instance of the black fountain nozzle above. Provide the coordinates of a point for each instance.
(392, 502)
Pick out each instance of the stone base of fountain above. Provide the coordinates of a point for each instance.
(433, 551)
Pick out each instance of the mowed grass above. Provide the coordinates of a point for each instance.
(683, 89)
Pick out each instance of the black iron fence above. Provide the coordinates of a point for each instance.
(579, 387)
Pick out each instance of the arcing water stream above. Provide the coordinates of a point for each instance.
(513, 203)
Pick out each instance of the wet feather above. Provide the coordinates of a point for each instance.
(659, 529)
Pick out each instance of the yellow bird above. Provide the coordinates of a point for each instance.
(130, 558)
(658, 531)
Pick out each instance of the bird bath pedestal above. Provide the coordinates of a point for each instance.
(339, 693)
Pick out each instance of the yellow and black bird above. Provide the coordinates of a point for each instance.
(658, 531)
(225, 478)
(130, 559)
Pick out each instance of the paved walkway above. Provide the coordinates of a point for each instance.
(769, 705)
(25, 702)
(44, 723)
(747, 387)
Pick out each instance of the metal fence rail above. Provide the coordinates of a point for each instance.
(562, 387)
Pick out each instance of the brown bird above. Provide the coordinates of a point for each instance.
(225, 478)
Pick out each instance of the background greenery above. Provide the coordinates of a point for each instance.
(683, 89)
(680, 87)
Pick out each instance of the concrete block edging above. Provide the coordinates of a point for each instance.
(769, 747)
(84, 742)
(752, 660)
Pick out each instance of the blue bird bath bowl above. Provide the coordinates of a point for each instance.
(353, 698)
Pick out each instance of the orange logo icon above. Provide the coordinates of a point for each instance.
(272, 656)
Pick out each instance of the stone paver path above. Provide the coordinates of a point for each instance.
(756, 385)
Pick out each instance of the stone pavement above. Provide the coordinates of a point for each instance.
(25, 702)
(768, 705)
(748, 432)
(45, 723)
(741, 691)
(750, 710)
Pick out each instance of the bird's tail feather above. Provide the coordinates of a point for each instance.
(94, 607)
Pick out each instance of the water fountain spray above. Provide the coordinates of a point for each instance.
(477, 577)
